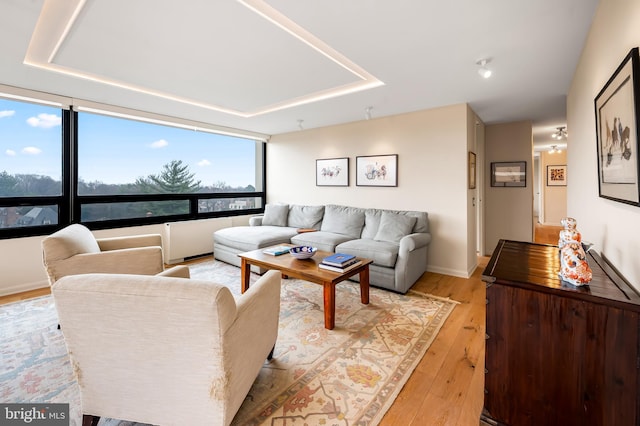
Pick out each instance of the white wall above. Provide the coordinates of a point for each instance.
(555, 197)
(508, 210)
(432, 163)
(613, 227)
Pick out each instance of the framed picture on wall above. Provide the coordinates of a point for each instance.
(377, 170)
(617, 133)
(557, 175)
(332, 172)
(509, 174)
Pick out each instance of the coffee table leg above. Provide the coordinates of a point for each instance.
(329, 305)
(364, 285)
(245, 274)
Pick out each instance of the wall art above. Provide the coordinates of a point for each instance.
(377, 170)
(617, 107)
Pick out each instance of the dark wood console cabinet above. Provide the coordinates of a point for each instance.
(558, 354)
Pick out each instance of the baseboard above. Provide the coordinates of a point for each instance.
(447, 271)
(22, 287)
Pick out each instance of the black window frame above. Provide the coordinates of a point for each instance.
(70, 203)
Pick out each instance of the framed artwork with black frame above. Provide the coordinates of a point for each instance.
(557, 175)
(509, 174)
(617, 132)
(332, 172)
(377, 170)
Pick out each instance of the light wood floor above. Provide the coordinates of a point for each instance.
(446, 387)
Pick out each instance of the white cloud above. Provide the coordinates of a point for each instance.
(159, 144)
(44, 121)
(6, 113)
(204, 163)
(31, 150)
(10, 153)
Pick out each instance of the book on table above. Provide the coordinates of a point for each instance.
(345, 268)
(339, 259)
(277, 250)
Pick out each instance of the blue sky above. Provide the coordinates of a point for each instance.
(114, 150)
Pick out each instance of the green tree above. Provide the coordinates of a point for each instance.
(174, 178)
(8, 185)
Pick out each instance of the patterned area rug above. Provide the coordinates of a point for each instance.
(346, 376)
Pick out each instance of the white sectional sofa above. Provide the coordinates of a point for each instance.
(397, 241)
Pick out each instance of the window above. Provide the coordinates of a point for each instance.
(125, 157)
(31, 181)
(116, 170)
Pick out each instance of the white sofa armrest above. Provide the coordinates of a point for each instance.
(256, 220)
(412, 242)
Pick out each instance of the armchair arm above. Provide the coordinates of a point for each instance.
(133, 241)
(139, 261)
(180, 271)
(252, 335)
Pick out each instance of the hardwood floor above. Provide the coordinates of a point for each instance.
(447, 386)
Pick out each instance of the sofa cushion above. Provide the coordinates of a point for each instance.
(343, 220)
(382, 253)
(394, 226)
(275, 214)
(305, 216)
(246, 238)
(326, 241)
(373, 216)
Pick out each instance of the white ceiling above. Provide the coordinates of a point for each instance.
(263, 65)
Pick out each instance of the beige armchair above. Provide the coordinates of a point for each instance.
(75, 250)
(164, 350)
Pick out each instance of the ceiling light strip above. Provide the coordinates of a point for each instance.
(147, 117)
(67, 28)
(32, 96)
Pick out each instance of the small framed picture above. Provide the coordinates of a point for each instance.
(332, 172)
(509, 174)
(377, 170)
(557, 175)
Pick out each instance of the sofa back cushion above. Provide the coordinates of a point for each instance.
(275, 215)
(305, 216)
(394, 226)
(373, 216)
(343, 220)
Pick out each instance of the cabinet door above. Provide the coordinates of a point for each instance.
(557, 360)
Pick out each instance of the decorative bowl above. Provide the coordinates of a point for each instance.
(303, 252)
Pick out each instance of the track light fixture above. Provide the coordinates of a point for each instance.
(559, 134)
(483, 70)
(367, 112)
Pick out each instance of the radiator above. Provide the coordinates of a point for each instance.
(182, 240)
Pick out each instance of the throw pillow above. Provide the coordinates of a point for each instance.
(394, 226)
(275, 215)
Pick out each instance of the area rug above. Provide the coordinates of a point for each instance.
(346, 376)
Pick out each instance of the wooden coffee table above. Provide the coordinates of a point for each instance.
(308, 270)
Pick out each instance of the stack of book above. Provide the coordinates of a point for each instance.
(339, 262)
(277, 250)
